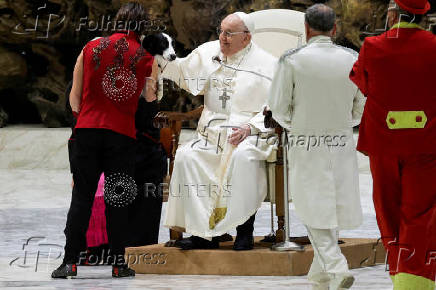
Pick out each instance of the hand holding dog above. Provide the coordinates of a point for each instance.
(150, 90)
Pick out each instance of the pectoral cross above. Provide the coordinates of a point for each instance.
(224, 98)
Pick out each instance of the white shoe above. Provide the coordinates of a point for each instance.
(341, 282)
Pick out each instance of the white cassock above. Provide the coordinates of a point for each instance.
(312, 96)
(216, 186)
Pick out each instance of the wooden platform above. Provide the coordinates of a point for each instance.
(261, 261)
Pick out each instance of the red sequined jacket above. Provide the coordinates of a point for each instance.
(114, 72)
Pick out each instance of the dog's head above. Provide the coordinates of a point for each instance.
(160, 44)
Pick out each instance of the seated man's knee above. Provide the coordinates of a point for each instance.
(241, 154)
(183, 154)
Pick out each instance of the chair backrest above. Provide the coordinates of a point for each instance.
(278, 30)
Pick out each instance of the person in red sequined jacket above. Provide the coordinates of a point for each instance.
(109, 77)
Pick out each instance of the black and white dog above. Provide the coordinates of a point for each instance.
(160, 44)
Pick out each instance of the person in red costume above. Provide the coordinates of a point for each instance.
(109, 76)
(396, 72)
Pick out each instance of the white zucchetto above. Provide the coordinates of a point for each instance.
(249, 23)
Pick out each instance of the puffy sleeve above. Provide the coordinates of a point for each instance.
(177, 70)
(192, 72)
(257, 124)
(358, 74)
(281, 93)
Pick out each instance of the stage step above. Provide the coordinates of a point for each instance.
(261, 261)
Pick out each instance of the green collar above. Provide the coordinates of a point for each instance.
(406, 25)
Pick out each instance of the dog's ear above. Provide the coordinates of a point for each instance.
(150, 44)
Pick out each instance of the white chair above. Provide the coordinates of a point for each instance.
(278, 30)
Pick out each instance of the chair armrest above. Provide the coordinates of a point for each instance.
(269, 121)
(165, 118)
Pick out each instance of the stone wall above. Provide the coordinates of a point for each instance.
(40, 40)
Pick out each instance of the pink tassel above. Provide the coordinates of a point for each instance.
(97, 234)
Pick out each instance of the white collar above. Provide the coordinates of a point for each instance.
(319, 39)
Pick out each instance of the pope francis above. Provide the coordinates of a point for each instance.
(219, 178)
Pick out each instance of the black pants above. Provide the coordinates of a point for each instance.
(96, 151)
(145, 210)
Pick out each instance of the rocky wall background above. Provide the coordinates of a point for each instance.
(40, 40)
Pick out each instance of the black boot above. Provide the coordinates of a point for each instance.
(244, 238)
(64, 271)
(122, 271)
(194, 242)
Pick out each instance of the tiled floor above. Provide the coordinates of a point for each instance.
(33, 206)
(33, 203)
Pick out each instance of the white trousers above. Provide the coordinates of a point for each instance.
(328, 261)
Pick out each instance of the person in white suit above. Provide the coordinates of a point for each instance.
(314, 100)
(219, 178)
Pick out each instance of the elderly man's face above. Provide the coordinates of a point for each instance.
(236, 42)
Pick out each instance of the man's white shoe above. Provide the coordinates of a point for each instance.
(341, 282)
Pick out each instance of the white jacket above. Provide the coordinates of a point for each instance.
(313, 98)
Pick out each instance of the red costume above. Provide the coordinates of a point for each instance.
(114, 73)
(117, 67)
(396, 71)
